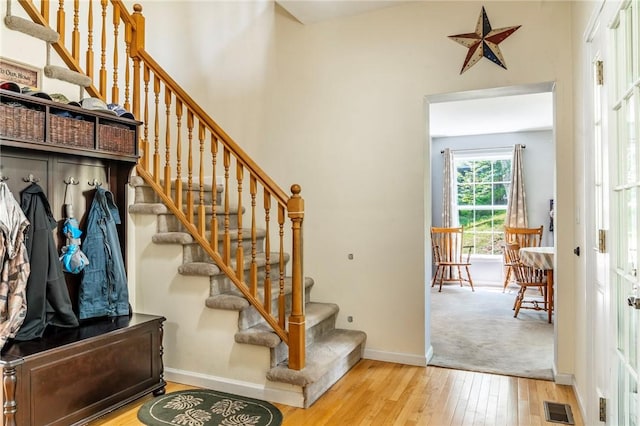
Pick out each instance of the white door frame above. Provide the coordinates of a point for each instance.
(597, 295)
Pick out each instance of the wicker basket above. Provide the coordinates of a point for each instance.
(117, 139)
(21, 123)
(71, 132)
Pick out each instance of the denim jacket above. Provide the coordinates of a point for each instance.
(103, 291)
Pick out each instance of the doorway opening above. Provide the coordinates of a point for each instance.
(481, 127)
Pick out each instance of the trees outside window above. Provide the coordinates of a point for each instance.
(482, 187)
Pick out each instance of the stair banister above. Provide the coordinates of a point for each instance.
(137, 62)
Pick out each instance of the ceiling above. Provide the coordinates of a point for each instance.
(502, 114)
(501, 110)
(311, 11)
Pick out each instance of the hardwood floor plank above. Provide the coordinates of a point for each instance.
(377, 393)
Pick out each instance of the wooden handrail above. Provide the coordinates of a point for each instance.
(173, 139)
(214, 127)
(152, 92)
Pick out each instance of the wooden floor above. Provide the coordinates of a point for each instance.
(380, 393)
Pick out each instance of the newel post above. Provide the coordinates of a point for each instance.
(137, 45)
(295, 207)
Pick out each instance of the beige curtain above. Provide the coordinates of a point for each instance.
(517, 204)
(448, 189)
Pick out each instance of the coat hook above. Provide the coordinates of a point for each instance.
(71, 181)
(95, 182)
(31, 178)
(3, 178)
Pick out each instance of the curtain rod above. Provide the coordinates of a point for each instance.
(479, 149)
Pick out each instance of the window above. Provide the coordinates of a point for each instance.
(482, 187)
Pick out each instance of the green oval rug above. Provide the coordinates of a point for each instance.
(203, 407)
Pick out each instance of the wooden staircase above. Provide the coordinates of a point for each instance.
(213, 208)
(330, 352)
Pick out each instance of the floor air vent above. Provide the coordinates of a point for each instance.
(558, 413)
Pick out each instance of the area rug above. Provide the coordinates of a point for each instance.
(476, 331)
(203, 407)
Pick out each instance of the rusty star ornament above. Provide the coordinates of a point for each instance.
(483, 42)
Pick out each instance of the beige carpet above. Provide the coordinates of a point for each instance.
(477, 331)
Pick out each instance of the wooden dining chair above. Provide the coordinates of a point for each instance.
(447, 245)
(524, 237)
(526, 277)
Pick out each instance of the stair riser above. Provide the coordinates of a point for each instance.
(195, 253)
(250, 317)
(145, 194)
(314, 391)
(280, 353)
(221, 284)
(169, 223)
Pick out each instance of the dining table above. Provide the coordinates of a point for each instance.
(542, 258)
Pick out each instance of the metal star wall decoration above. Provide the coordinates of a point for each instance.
(484, 42)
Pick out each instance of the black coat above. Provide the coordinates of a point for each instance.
(48, 300)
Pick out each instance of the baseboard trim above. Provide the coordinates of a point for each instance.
(399, 358)
(581, 405)
(429, 354)
(563, 378)
(292, 396)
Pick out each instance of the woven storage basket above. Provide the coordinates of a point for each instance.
(21, 123)
(117, 139)
(71, 132)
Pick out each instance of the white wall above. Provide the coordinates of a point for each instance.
(347, 106)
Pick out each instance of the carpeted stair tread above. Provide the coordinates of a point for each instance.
(136, 181)
(227, 301)
(160, 208)
(28, 27)
(177, 237)
(321, 358)
(236, 302)
(172, 238)
(148, 208)
(263, 335)
(210, 269)
(204, 269)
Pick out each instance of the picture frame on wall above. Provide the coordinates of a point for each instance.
(20, 73)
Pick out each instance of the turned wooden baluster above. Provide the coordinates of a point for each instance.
(297, 325)
(178, 180)
(89, 54)
(253, 189)
(214, 185)
(115, 91)
(239, 248)
(167, 142)
(44, 10)
(226, 244)
(201, 210)
(103, 50)
(190, 168)
(156, 152)
(146, 155)
(267, 250)
(60, 24)
(127, 66)
(281, 298)
(137, 45)
(75, 34)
